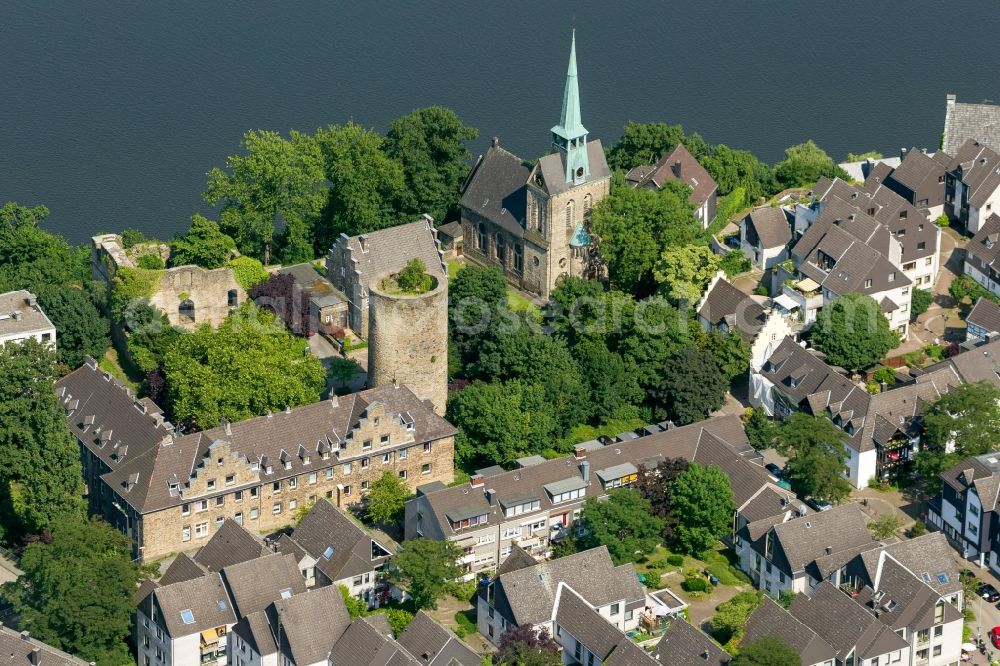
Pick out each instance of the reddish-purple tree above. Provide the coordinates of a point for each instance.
(285, 298)
(522, 645)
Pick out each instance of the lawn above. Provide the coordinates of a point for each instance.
(109, 363)
(454, 266)
(721, 562)
(515, 301)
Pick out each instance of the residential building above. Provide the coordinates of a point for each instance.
(451, 239)
(919, 178)
(982, 255)
(170, 492)
(884, 428)
(185, 623)
(972, 186)
(20, 649)
(725, 309)
(434, 645)
(966, 509)
(528, 592)
(964, 121)
(353, 262)
(770, 619)
(983, 320)
(333, 549)
(21, 318)
(586, 638)
(328, 306)
(679, 165)
(533, 505)
(788, 555)
(685, 645)
(368, 642)
(532, 220)
(765, 233)
(979, 364)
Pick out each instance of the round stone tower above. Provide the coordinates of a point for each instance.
(408, 340)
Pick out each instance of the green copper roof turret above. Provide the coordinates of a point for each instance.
(570, 123)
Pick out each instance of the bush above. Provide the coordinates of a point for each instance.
(695, 584)
(466, 623)
(942, 220)
(413, 279)
(920, 301)
(132, 237)
(675, 560)
(735, 262)
(464, 591)
(652, 580)
(248, 271)
(151, 262)
(917, 529)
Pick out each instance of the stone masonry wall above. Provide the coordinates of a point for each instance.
(408, 341)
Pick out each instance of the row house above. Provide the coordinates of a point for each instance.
(919, 179)
(20, 649)
(972, 186)
(540, 502)
(21, 318)
(170, 492)
(883, 429)
(966, 509)
(765, 234)
(982, 255)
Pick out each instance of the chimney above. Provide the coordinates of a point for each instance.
(490, 495)
(228, 428)
(30, 300)
(363, 241)
(496, 142)
(36, 656)
(476, 480)
(17, 315)
(829, 550)
(25, 635)
(676, 168)
(902, 153)
(923, 150)
(580, 453)
(585, 470)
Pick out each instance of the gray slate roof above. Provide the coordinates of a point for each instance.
(29, 317)
(725, 304)
(496, 189)
(181, 569)
(770, 225)
(205, 598)
(770, 619)
(255, 584)
(434, 645)
(554, 171)
(391, 248)
(231, 544)
(964, 122)
(310, 623)
(681, 166)
(977, 166)
(364, 645)
(17, 651)
(930, 558)
(985, 314)
(803, 540)
(904, 599)
(603, 639)
(685, 645)
(321, 292)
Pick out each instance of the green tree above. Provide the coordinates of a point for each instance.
(853, 332)
(634, 226)
(248, 367)
(477, 298)
(203, 245)
(248, 272)
(275, 180)
(730, 351)
(654, 484)
(684, 272)
(413, 278)
(341, 370)
(734, 169)
(760, 429)
(582, 310)
(735, 262)
(523, 645)
(701, 501)
(500, 422)
(816, 452)
(691, 387)
(968, 419)
(368, 187)
(430, 145)
(921, 300)
(644, 143)
(652, 331)
(77, 589)
(804, 164)
(40, 474)
(767, 651)
(386, 498)
(82, 330)
(624, 523)
(614, 391)
(31, 258)
(423, 567)
(731, 616)
(884, 526)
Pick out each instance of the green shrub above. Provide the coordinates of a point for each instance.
(917, 529)
(248, 271)
(132, 237)
(131, 285)
(762, 290)
(942, 220)
(466, 623)
(151, 262)
(920, 301)
(652, 580)
(464, 591)
(398, 619)
(675, 560)
(735, 262)
(695, 584)
(413, 279)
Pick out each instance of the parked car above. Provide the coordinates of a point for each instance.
(774, 470)
(989, 593)
(995, 637)
(818, 504)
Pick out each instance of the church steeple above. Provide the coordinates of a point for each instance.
(569, 137)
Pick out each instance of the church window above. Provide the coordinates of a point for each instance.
(569, 215)
(481, 237)
(587, 203)
(518, 258)
(579, 172)
(499, 251)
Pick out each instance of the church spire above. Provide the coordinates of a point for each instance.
(570, 136)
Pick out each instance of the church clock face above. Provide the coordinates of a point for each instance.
(579, 172)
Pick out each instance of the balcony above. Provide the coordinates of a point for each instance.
(468, 558)
(529, 541)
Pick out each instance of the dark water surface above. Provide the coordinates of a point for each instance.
(111, 113)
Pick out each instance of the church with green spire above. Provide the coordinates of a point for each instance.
(533, 220)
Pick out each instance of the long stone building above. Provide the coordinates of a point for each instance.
(169, 492)
(533, 221)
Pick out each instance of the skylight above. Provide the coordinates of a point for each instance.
(221, 604)
(328, 553)
(926, 576)
(285, 593)
(942, 578)
(187, 617)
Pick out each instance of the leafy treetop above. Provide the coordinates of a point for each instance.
(853, 332)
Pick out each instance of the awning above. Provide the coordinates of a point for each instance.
(807, 284)
(786, 302)
(209, 636)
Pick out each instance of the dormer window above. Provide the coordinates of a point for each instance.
(892, 276)
(288, 464)
(254, 465)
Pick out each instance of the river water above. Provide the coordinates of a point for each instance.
(111, 112)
